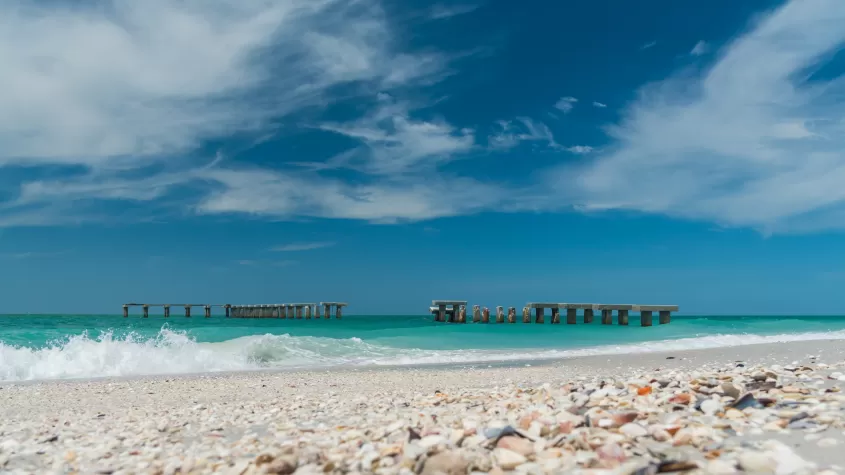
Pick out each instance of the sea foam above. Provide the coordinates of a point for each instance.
(175, 352)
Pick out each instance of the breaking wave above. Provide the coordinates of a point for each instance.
(174, 352)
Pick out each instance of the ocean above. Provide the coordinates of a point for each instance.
(39, 347)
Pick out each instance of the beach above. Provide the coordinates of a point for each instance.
(768, 408)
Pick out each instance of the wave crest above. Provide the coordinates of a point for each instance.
(174, 352)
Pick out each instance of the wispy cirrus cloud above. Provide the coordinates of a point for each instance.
(599, 105)
(122, 97)
(441, 11)
(650, 44)
(755, 140)
(303, 246)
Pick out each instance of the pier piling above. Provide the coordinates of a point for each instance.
(125, 311)
(485, 315)
(665, 317)
(511, 314)
(146, 311)
(539, 316)
(622, 317)
(607, 316)
(462, 314)
(500, 314)
(187, 311)
(328, 311)
(526, 315)
(308, 312)
(645, 318)
(208, 311)
(588, 315)
(476, 313)
(555, 315)
(298, 311)
(317, 311)
(167, 311)
(571, 316)
(228, 309)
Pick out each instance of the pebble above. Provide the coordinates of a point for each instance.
(633, 430)
(508, 459)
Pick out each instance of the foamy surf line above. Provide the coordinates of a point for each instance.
(172, 352)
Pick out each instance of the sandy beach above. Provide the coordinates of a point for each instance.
(772, 408)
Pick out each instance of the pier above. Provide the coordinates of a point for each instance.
(277, 310)
(446, 310)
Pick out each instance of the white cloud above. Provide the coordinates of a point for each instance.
(302, 246)
(599, 105)
(580, 149)
(700, 48)
(440, 11)
(387, 200)
(397, 143)
(756, 140)
(123, 93)
(648, 45)
(509, 134)
(566, 104)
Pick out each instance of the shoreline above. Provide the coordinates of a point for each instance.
(756, 353)
(645, 408)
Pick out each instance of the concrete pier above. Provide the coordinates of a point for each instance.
(482, 315)
(462, 314)
(446, 307)
(246, 311)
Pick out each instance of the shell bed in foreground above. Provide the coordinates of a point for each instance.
(717, 421)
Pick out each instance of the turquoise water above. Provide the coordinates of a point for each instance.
(79, 346)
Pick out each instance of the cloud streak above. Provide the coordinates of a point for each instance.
(302, 246)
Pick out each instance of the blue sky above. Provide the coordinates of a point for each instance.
(388, 153)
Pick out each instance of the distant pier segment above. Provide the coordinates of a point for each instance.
(278, 310)
(445, 310)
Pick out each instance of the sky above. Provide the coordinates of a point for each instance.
(390, 153)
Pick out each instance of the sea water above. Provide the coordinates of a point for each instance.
(34, 347)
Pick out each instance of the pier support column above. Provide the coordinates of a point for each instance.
(187, 311)
(539, 314)
(166, 311)
(476, 313)
(146, 311)
(208, 311)
(526, 315)
(571, 316)
(441, 313)
(588, 315)
(462, 314)
(645, 318)
(607, 317)
(228, 310)
(308, 312)
(622, 317)
(338, 313)
(298, 311)
(317, 311)
(511, 314)
(125, 311)
(485, 315)
(555, 315)
(665, 317)
(327, 311)
(500, 314)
